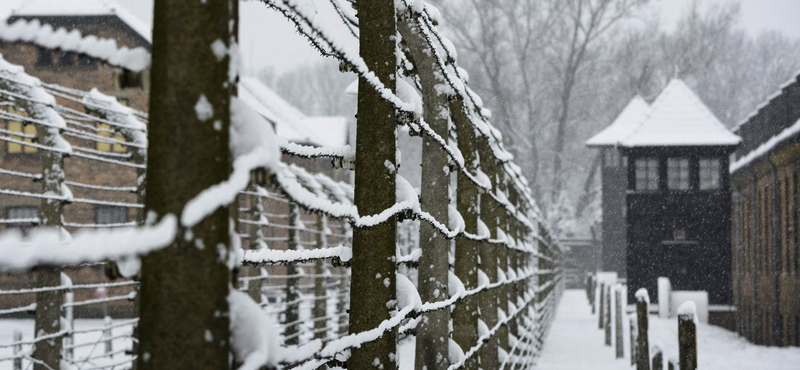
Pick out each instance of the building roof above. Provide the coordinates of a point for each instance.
(679, 118)
(290, 123)
(628, 120)
(55, 8)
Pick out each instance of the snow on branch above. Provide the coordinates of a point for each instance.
(43, 35)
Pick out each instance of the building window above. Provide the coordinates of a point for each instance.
(27, 133)
(66, 59)
(611, 158)
(24, 217)
(647, 174)
(44, 57)
(678, 174)
(111, 215)
(679, 234)
(127, 79)
(709, 174)
(86, 61)
(105, 130)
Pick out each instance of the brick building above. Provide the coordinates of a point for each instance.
(765, 176)
(110, 198)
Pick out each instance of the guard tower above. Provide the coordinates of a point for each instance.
(614, 177)
(678, 197)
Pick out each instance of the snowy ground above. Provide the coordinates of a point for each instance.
(92, 350)
(575, 342)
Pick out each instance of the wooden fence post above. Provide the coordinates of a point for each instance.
(687, 336)
(642, 345)
(592, 287)
(292, 323)
(618, 321)
(320, 290)
(465, 314)
(601, 306)
(186, 73)
(608, 316)
(374, 247)
(658, 358)
(672, 364)
(633, 340)
(432, 331)
(488, 252)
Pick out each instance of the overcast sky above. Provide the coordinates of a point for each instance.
(269, 40)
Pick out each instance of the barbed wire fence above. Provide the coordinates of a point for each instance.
(503, 269)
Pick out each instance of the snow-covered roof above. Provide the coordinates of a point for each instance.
(290, 123)
(764, 148)
(679, 118)
(791, 80)
(33, 8)
(628, 120)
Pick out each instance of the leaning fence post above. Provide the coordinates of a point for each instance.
(17, 350)
(320, 290)
(608, 316)
(658, 358)
(642, 345)
(687, 336)
(292, 292)
(618, 321)
(601, 306)
(633, 340)
(107, 341)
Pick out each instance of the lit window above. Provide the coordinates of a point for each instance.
(29, 132)
(709, 174)
(678, 174)
(104, 130)
(647, 174)
(111, 215)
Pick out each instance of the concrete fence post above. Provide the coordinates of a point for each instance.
(642, 345)
(608, 316)
(658, 358)
(69, 316)
(687, 336)
(17, 350)
(320, 290)
(601, 306)
(107, 341)
(620, 346)
(292, 316)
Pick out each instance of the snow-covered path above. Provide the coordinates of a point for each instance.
(575, 342)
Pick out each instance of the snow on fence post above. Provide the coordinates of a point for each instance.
(373, 287)
(17, 349)
(607, 318)
(39, 106)
(292, 314)
(673, 364)
(642, 320)
(601, 306)
(633, 339)
(465, 314)
(192, 82)
(320, 290)
(658, 358)
(488, 256)
(618, 314)
(687, 336)
(432, 331)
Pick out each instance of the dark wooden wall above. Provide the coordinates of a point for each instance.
(614, 178)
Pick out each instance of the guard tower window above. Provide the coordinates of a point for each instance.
(646, 174)
(611, 158)
(709, 173)
(678, 174)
